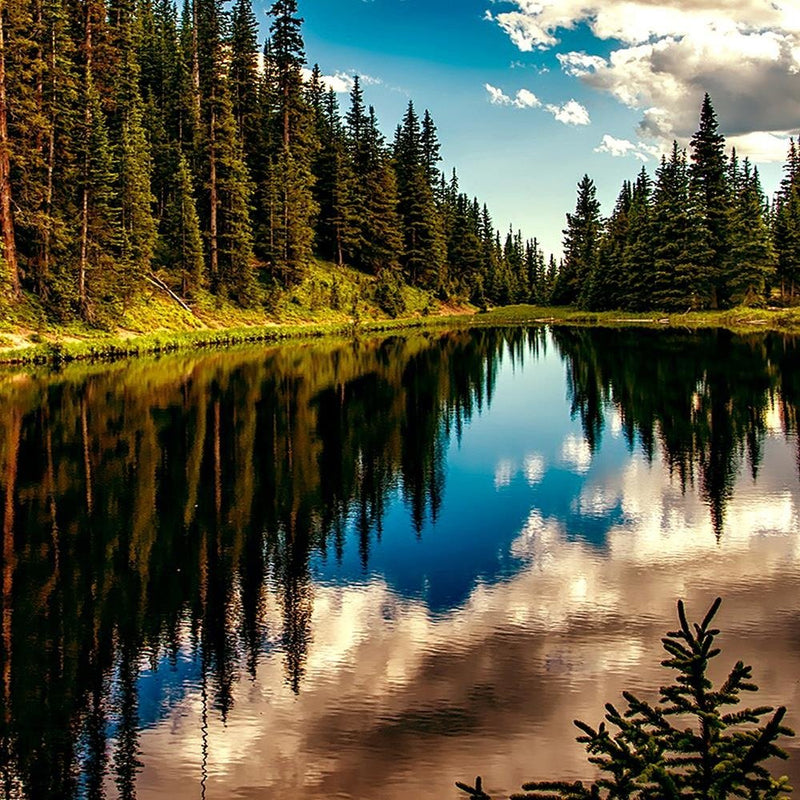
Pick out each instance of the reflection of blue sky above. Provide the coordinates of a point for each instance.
(511, 459)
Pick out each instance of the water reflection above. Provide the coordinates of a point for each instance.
(320, 569)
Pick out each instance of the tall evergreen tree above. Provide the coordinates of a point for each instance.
(709, 189)
(786, 226)
(424, 250)
(676, 280)
(226, 217)
(132, 154)
(752, 256)
(581, 243)
(292, 233)
(380, 241)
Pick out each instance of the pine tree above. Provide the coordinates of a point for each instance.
(100, 234)
(424, 249)
(676, 277)
(606, 285)
(581, 242)
(335, 190)
(637, 260)
(689, 744)
(293, 206)
(9, 251)
(243, 72)
(380, 238)
(786, 226)
(752, 257)
(181, 245)
(132, 155)
(710, 200)
(226, 217)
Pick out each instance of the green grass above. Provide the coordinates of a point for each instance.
(330, 301)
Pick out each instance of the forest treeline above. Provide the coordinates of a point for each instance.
(144, 143)
(701, 235)
(139, 142)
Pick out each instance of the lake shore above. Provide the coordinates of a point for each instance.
(22, 343)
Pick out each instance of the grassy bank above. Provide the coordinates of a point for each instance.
(331, 301)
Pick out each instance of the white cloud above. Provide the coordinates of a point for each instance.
(342, 82)
(745, 53)
(524, 98)
(570, 113)
(620, 148)
(496, 96)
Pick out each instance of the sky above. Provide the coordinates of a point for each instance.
(529, 95)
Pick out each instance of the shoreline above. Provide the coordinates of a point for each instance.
(63, 346)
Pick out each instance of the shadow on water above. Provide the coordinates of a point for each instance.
(151, 504)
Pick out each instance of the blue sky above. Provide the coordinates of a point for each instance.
(529, 96)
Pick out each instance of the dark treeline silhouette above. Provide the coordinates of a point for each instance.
(141, 144)
(703, 398)
(701, 235)
(140, 504)
(152, 509)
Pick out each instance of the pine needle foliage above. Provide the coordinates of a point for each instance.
(692, 743)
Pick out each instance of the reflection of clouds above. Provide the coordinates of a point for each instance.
(534, 468)
(413, 703)
(576, 454)
(503, 473)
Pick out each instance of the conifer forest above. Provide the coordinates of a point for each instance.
(143, 143)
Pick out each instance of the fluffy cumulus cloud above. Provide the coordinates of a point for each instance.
(745, 53)
(569, 113)
(342, 82)
(620, 148)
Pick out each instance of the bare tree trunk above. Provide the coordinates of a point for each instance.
(6, 216)
(51, 156)
(214, 243)
(87, 117)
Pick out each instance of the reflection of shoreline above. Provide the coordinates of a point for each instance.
(158, 500)
(396, 697)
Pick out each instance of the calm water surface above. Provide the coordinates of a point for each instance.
(352, 570)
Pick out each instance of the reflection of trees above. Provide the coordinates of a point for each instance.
(151, 505)
(704, 397)
(154, 506)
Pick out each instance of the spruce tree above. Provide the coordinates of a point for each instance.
(226, 212)
(692, 743)
(581, 242)
(752, 256)
(243, 72)
(335, 190)
(293, 206)
(132, 154)
(424, 249)
(786, 226)
(710, 200)
(606, 286)
(637, 260)
(676, 279)
(380, 239)
(180, 250)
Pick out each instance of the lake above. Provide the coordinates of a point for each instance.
(360, 569)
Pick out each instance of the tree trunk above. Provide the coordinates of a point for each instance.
(6, 216)
(51, 156)
(87, 118)
(214, 199)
